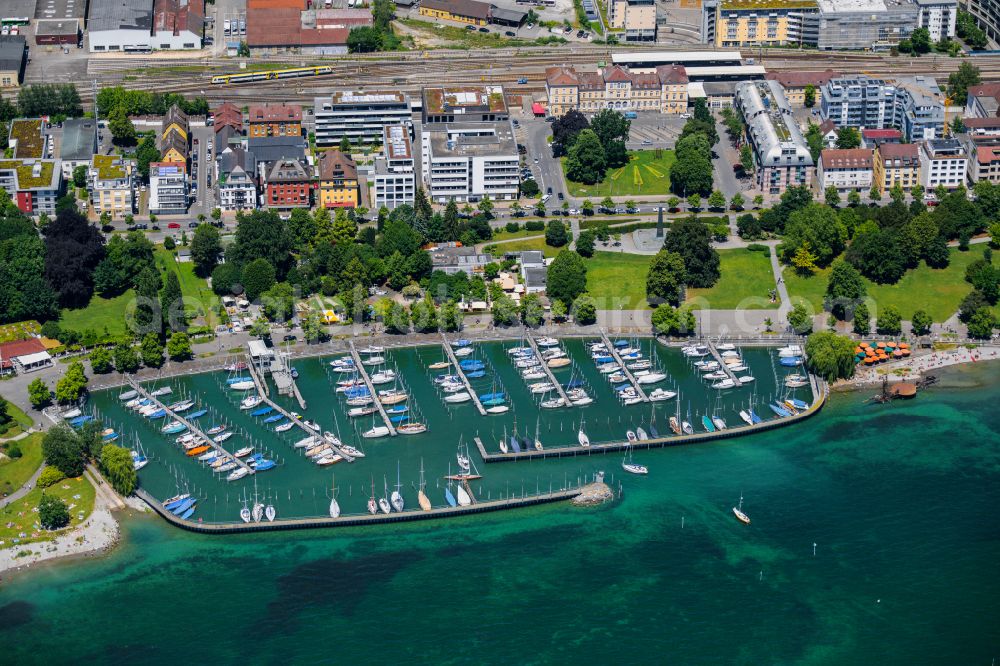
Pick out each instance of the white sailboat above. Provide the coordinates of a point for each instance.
(383, 502)
(464, 499)
(397, 497)
(422, 499)
(632, 467)
(581, 436)
(538, 441)
(334, 506)
(738, 512)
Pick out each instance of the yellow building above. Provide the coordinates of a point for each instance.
(757, 22)
(664, 91)
(896, 164)
(111, 183)
(338, 180)
(472, 12)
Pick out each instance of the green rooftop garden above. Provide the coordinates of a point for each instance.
(108, 167)
(28, 134)
(767, 4)
(25, 173)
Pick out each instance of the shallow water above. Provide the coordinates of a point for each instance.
(899, 501)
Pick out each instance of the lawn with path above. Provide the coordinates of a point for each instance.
(529, 244)
(745, 283)
(643, 175)
(19, 422)
(617, 280)
(198, 296)
(938, 291)
(78, 494)
(15, 472)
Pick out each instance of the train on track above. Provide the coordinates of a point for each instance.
(272, 74)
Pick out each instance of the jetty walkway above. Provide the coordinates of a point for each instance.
(371, 387)
(461, 373)
(548, 372)
(820, 395)
(722, 364)
(618, 359)
(190, 426)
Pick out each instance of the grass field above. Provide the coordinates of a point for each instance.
(198, 297)
(531, 244)
(938, 291)
(19, 421)
(15, 472)
(100, 314)
(746, 278)
(503, 235)
(78, 495)
(617, 280)
(644, 174)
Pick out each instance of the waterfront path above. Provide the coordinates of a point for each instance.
(461, 373)
(628, 373)
(548, 371)
(371, 388)
(23, 490)
(190, 426)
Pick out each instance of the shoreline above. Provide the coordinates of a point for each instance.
(915, 367)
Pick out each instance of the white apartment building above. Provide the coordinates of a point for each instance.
(939, 17)
(636, 17)
(236, 180)
(467, 161)
(359, 116)
(393, 181)
(168, 188)
(943, 162)
(846, 170)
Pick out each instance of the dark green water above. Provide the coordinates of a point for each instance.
(900, 500)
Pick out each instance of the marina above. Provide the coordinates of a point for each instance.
(548, 372)
(360, 368)
(613, 350)
(450, 353)
(549, 445)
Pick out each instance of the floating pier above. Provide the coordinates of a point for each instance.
(371, 387)
(618, 359)
(820, 394)
(461, 373)
(725, 368)
(190, 426)
(548, 371)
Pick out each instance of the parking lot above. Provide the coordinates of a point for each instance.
(654, 130)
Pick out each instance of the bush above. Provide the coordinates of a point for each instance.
(759, 247)
(50, 476)
(534, 225)
(512, 227)
(14, 452)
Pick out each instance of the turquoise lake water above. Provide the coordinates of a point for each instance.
(899, 500)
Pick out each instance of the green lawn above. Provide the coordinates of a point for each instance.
(644, 174)
(938, 291)
(746, 278)
(19, 421)
(617, 280)
(77, 493)
(531, 244)
(503, 234)
(198, 297)
(15, 472)
(99, 314)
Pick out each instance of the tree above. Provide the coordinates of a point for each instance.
(73, 249)
(612, 130)
(258, 277)
(692, 173)
(262, 235)
(921, 322)
(809, 97)
(145, 153)
(804, 260)
(982, 323)
(565, 130)
(278, 302)
(972, 302)
(364, 39)
(450, 317)
(555, 234)
(830, 356)
(748, 227)
(56, 99)
(691, 239)
(504, 311)
(717, 200)
(227, 279)
(584, 310)
(666, 278)
(746, 158)
(958, 125)
(586, 162)
(831, 196)
(844, 290)
(694, 201)
(585, 243)
(179, 347)
(848, 137)
(921, 40)
(61, 449)
(206, 248)
(737, 202)
(72, 385)
(172, 303)
(259, 329)
(878, 255)
(566, 277)
(38, 393)
(121, 128)
(151, 350)
(532, 313)
(52, 512)
(116, 463)
(889, 321)
(101, 360)
(587, 207)
(800, 320)
(126, 359)
(80, 176)
(243, 50)
(862, 319)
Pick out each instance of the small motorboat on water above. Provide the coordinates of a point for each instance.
(355, 412)
(497, 409)
(456, 398)
(127, 395)
(163, 390)
(660, 394)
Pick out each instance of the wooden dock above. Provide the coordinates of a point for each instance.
(618, 359)
(371, 387)
(722, 364)
(357, 520)
(461, 373)
(548, 372)
(190, 426)
(820, 394)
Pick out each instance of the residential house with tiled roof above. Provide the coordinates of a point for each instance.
(338, 180)
(846, 170)
(178, 24)
(228, 115)
(896, 164)
(871, 138)
(175, 132)
(665, 90)
(983, 101)
(288, 184)
(472, 12)
(274, 120)
(237, 182)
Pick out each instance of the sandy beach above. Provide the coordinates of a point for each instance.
(913, 368)
(97, 534)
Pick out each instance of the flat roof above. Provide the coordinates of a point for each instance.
(58, 27)
(766, 4)
(28, 134)
(258, 349)
(678, 57)
(11, 52)
(31, 359)
(352, 97)
(471, 139)
(60, 9)
(397, 142)
(724, 70)
(120, 15)
(845, 6)
(79, 139)
(17, 9)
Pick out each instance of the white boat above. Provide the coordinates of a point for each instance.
(630, 436)
(456, 398)
(546, 342)
(210, 455)
(375, 431)
(730, 353)
(312, 425)
(462, 352)
(372, 349)
(237, 474)
(712, 376)
(396, 499)
(361, 411)
(581, 437)
(245, 451)
(725, 346)
(790, 350)
(632, 400)
(329, 459)
(608, 368)
(738, 512)
(462, 460)
(72, 414)
(384, 377)
(245, 514)
(498, 409)
(661, 394)
(334, 506)
(373, 360)
(462, 495)
(163, 390)
(651, 378)
(723, 384)
(242, 386)
(251, 402)
(128, 395)
(640, 365)
(285, 427)
(319, 449)
(719, 422)
(533, 374)
(360, 401)
(709, 366)
(351, 451)
(269, 513)
(738, 368)
(553, 403)
(504, 448)
(257, 511)
(225, 466)
(641, 434)
(541, 387)
(411, 429)
(746, 417)
(631, 467)
(306, 442)
(745, 379)
(218, 439)
(580, 402)
(553, 353)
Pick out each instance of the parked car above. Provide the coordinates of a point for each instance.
(484, 29)
(192, 225)
(632, 211)
(471, 28)
(510, 33)
(549, 191)
(561, 197)
(155, 227)
(173, 225)
(289, 338)
(522, 81)
(107, 228)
